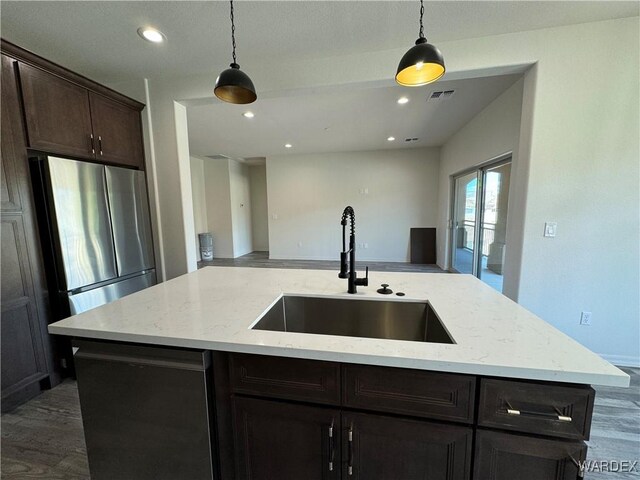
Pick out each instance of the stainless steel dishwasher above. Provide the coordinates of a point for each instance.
(146, 411)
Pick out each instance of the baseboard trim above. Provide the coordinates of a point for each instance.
(622, 360)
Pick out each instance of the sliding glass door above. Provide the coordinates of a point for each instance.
(464, 222)
(479, 222)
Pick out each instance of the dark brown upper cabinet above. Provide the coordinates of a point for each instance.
(117, 131)
(58, 117)
(66, 118)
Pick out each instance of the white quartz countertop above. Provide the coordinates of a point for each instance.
(215, 307)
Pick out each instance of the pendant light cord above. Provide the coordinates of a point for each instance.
(233, 34)
(421, 15)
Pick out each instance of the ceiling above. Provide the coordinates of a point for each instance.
(99, 38)
(341, 119)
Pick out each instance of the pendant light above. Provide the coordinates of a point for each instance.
(233, 85)
(422, 64)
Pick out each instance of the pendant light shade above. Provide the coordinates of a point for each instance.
(422, 64)
(233, 85)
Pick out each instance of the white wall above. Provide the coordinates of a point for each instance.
(309, 192)
(578, 143)
(199, 200)
(240, 208)
(259, 210)
(493, 132)
(218, 197)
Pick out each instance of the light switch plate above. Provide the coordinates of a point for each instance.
(550, 229)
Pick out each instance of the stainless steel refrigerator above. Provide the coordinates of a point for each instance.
(96, 232)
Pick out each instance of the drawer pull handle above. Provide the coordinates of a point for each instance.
(93, 148)
(558, 415)
(331, 447)
(350, 453)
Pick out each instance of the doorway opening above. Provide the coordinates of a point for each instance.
(480, 204)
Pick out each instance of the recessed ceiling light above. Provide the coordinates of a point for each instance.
(151, 34)
(248, 114)
(403, 100)
(288, 145)
(391, 139)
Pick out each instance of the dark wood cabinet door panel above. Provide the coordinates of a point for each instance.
(282, 441)
(23, 316)
(57, 113)
(376, 447)
(435, 395)
(287, 378)
(538, 408)
(117, 130)
(505, 456)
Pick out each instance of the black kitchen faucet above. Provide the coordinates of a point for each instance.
(351, 274)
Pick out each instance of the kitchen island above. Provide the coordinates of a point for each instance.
(510, 396)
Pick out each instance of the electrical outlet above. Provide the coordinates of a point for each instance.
(274, 216)
(300, 243)
(585, 318)
(366, 245)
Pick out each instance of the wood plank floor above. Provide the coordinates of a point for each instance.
(43, 438)
(262, 260)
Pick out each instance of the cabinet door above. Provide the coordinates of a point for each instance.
(504, 456)
(57, 113)
(376, 447)
(23, 318)
(117, 130)
(276, 440)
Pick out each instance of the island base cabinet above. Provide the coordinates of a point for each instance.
(145, 411)
(283, 441)
(505, 456)
(377, 447)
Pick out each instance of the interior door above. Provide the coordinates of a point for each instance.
(377, 447)
(285, 441)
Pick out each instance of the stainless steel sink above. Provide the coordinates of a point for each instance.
(413, 321)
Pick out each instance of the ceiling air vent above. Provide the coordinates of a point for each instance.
(217, 157)
(440, 95)
(414, 139)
